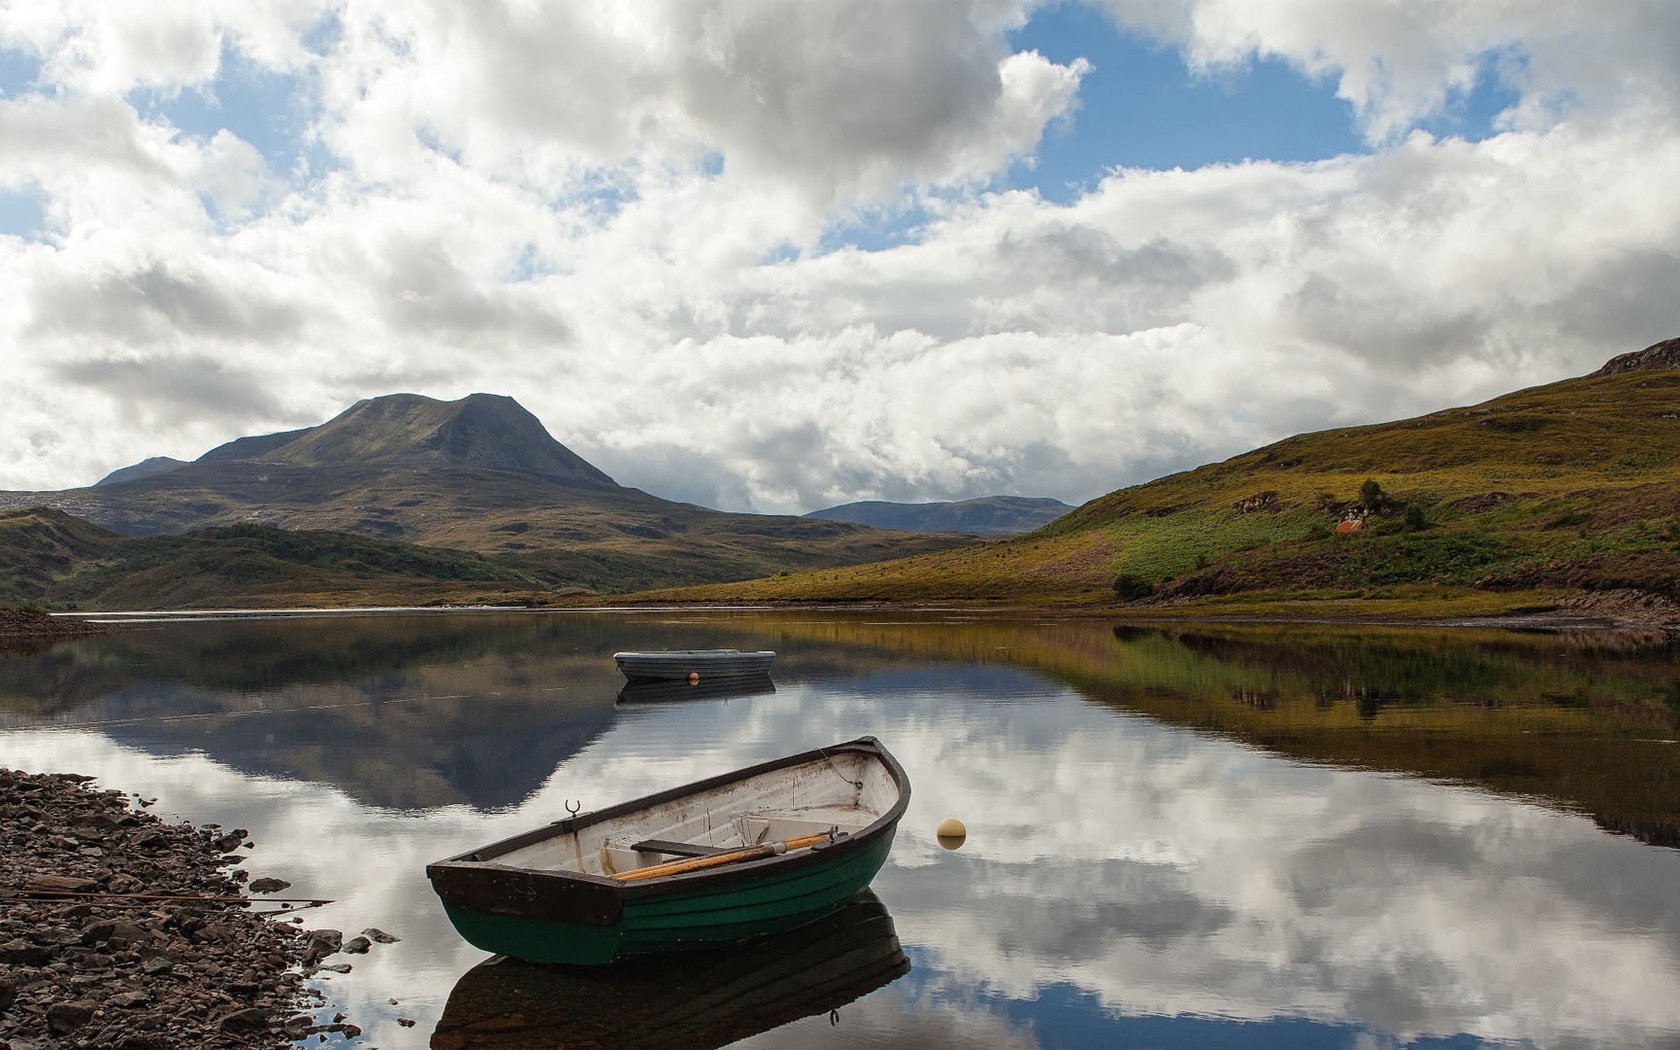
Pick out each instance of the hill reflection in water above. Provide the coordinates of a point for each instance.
(1233, 835)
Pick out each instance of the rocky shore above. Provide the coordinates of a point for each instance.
(23, 627)
(120, 930)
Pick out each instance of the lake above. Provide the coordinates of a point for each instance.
(1275, 836)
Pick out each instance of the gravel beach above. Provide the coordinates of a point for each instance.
(120, 930)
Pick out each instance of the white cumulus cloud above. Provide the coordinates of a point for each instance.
(622, 215)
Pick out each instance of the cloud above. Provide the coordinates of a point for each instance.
(836, 101)
(171, 389)
(616, 214)
(1400, 63)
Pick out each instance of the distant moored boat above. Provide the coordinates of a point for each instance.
(692, 665)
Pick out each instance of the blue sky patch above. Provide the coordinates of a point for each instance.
(21, 213)
(272, 111)
(18, 72)
(1141, 106)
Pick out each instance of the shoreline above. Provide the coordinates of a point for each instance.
(120, 929)
(1608, 611)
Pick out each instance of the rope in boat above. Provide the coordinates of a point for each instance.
(857, 785)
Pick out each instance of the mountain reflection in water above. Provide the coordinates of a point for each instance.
(1212, 836)
(703, 999)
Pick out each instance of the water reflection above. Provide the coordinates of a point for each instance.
(683, 692)
(704, 999)
(1174, 837)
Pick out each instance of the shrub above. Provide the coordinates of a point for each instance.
(1132, 587)
(1371, 494)
(1415, 519)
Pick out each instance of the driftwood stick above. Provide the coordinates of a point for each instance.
(178, 897)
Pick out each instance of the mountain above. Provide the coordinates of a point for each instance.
(480, 474)
(988, 515)
(146, 468)
(482, 431)
(1561, 494)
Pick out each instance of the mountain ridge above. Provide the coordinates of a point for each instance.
(984, 515)
(478, 474)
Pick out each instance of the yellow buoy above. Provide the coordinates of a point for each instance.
(951, 833)
(694, 678)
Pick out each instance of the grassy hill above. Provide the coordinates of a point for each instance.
(53, 559)
(1569, 487)
(478, 474)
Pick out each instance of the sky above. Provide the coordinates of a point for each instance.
(773, 255)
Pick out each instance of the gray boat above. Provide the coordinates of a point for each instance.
(693, 665)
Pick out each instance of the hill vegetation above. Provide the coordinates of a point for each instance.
(49, 558)
(1518, 502)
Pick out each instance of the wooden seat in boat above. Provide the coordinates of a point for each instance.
(679, 849)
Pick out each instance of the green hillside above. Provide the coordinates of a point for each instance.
(51, 559)
(1567, 488)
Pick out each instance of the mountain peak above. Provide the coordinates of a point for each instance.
(146, 468)
(489, 431)
(1658, 356)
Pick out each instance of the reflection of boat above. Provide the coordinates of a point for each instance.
(706, 688)
(689, 665)
(705, 999)
(762, 849)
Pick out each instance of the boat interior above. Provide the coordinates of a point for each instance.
(845, 792)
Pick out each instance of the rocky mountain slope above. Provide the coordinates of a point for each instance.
(1562, 493)
(479, 474)
(987, 515)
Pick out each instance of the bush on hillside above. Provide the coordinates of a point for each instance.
(1132, 587)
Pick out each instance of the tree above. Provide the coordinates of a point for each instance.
(1371, 494)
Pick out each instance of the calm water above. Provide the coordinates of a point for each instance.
(1234, 837)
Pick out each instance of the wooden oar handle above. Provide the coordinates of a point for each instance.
(680, 867)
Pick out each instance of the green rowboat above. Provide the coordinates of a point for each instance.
(752, 852)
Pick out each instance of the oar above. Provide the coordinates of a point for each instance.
(680, 867)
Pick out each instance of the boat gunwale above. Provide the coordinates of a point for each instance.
(483, 858)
